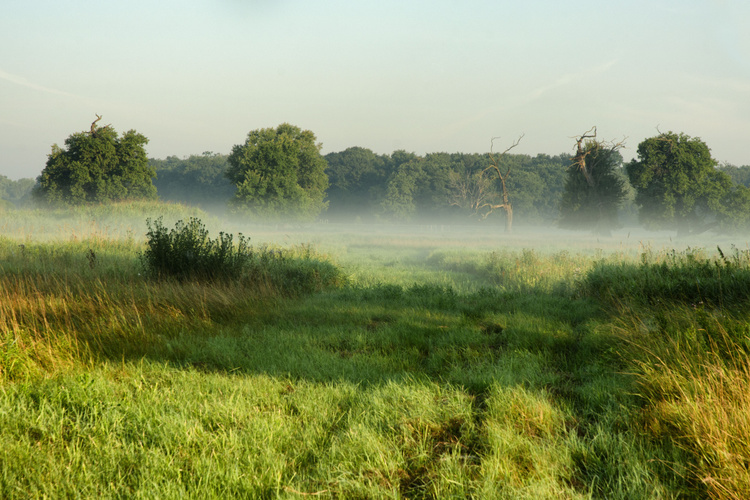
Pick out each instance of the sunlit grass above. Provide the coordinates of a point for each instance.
(685, 326)
(106, 223)
(422, 366)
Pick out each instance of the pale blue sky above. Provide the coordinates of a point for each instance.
(424, 76)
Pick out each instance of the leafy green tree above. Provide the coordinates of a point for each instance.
(678, 187)
(97, 167)
(594, 187)
(279, 173)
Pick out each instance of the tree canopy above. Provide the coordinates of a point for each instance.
(15, 192)
(279, 173)
(198, 180)
(357, 178)
(678, 186)
(455, 187)
(97, 166)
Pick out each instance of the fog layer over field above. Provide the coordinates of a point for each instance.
(40, 225)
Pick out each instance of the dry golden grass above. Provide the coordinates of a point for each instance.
(696, 392)
(55, 322)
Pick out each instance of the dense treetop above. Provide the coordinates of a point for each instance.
(97, 166)
(279, 173)
(679, 187)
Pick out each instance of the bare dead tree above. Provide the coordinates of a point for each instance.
(506, 205)
(663, 137)
(93, 124)
(469, 191)
(582, 152)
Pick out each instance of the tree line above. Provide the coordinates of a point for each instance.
(280, 173)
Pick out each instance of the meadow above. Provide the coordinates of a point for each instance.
(371, 362)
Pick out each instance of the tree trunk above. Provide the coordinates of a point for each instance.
(508, 218)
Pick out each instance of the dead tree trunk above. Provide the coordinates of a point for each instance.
(506, 204)
(581, 153)
(93, 124)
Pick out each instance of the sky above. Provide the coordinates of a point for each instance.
(423, 76)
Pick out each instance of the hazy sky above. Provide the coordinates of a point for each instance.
(424, 76)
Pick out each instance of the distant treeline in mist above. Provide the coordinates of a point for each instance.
(402, 186)
(363, 186)
(367, 186)
(15, 193)
(196, 180)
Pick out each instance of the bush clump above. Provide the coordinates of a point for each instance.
(294, 271)
(187, 252)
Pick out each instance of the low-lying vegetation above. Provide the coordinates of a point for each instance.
(686, 330)
(64, 303)
(416, 372)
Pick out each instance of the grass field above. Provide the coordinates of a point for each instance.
(435, 363)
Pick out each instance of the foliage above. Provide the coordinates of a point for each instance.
(357, 178)
(403, 188)
(593, 203)
(97, 167)
(197, 180)
(451, 187)
(187, 252)
(537, 185)
(439, 187)
(739, 175)
(469, 187)
(15, 192)
(678, 187)
(279, 173)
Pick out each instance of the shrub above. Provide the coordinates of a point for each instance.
(292, 272)
(187, 252)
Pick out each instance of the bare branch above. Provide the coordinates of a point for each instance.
(505, 205)
(662, 137)
(93, 124)
(582, 151)
(495, 165)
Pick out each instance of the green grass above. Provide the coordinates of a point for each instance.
(372, 366)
